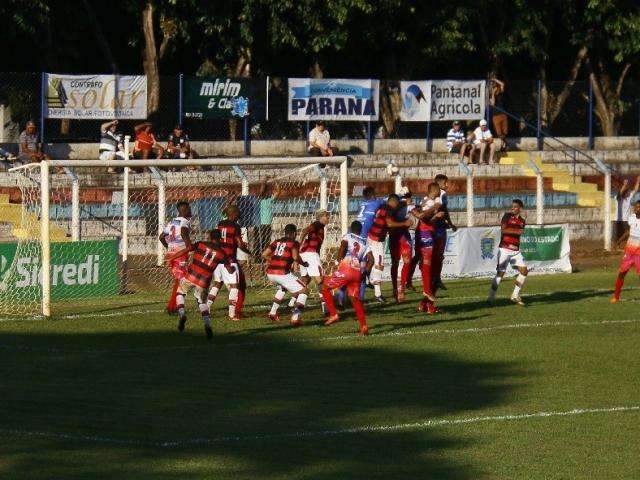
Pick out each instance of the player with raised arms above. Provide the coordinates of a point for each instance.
(280, 256)
(440, 234)
(354, 260)
(401, 247)
(174, 237)
(366, 215)
(511, 229)
(382, 222)
(206, 258)
(230, 241)
(311, 239)
(631, 250)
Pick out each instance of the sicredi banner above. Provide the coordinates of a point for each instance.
(333, 99)
(416, 101)
(224, 97)
(96, 96)
(457, 100)
(78, 270)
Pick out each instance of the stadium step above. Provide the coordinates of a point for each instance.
(13, 214)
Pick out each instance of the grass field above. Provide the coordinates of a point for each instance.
(548, 391)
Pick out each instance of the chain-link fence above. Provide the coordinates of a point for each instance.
(560, 109)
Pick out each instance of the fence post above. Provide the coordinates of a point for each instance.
(75, 204)
(306, 139)
(180, 99)
(324, 199)
(539, 190)
(344, 196)
(590, 110)
(369, 138)
(247, 139)
(162, 211)
(43, 102)
(469, 174)
(125, 212)
(45, 245)
(539, 122)
(428, 137)
(604, 168)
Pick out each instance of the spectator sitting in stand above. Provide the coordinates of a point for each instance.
(30, 150)
(320, 142)
(178, 145)
(457, 142)
(483, 141)
(8, 159)
(111, 146)
(146, 144)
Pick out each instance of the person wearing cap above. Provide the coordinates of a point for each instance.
(178, 145)
(483, 142)
(457, 141)
(320, 142)
(146, 143)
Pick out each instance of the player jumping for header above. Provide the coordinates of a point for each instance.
(280, 256)
(206, 258)
(631, 250)
(312, 238)
(355, 259)
(512, 227)
(174, 237)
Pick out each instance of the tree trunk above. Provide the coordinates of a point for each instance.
(390, 107)
(315, 70)
(242, 69)
(150, 59)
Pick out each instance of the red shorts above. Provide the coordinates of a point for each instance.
(400, 247)
(628, 261)
(178, 267)
(345, 276)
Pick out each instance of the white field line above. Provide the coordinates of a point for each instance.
(353, 337)
(261, 307)
(363, 429)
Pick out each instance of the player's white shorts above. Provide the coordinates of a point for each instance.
(315, 266)
(186, 286)
(377, 249)
(221, 274)
(289, 282)
(508, 257)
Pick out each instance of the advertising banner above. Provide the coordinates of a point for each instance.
(224, 97)
(96, 97)
(78, 270)
(442, 100)
(333, 99)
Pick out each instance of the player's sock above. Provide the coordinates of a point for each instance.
(242, 291)
(180, 304)
(292, 302)
(425, 270)
(519, 283)
(233, 299)
(213, 293)
(339, 296)
(404, 275)
(276, 303)
(394, 279)
(204, 311)
(171, 305)
(377, 290)
(363, 289)
(618, 290)
(301, 300)
(328, 298)
(494, 287)
(359, 310)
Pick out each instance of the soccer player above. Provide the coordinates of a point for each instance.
(631, 250)
(280, 256)
(174, 237)
(312, 238)
(230, 241)
(512, 227)
(366, 214)
(440, 233)
(382, 222)
(206, 258)
(401, 247)
(428, 215)
(354, 260)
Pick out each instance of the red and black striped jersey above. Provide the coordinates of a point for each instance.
(378, 231)
(315, 236)
(511, 241)
(206, 257)
(282, 256)
(230, 237)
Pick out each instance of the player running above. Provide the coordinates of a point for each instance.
(174, 237)
(428, 215)
(354, 260)
(382, 222)
(401, 247)
(230, 241)
(511, 229)
(440, 234)
(206, 258)
(312, 238)
(631, 251)
(280, 256)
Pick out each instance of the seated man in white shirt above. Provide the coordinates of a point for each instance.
(483, 142)
(320, 142)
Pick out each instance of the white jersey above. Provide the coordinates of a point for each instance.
(444, 199)
(623, 210)
(634, 228)
(173, 233)
(356, 249)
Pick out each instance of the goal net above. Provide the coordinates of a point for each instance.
(103, 225)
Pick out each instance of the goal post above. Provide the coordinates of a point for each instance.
(82, 203)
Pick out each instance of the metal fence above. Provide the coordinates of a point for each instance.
(20, 98)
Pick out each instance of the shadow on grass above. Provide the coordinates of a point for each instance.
(209, 393)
